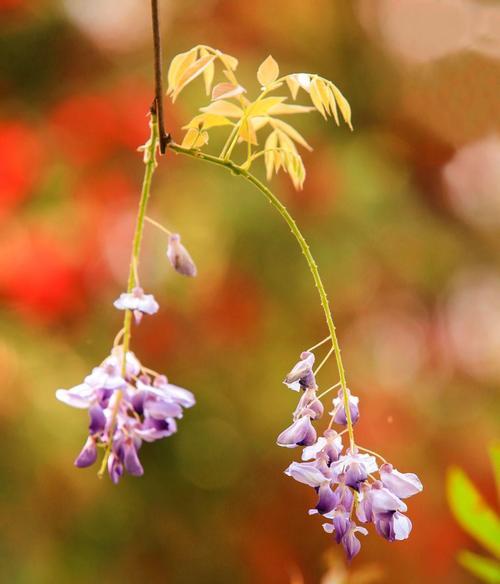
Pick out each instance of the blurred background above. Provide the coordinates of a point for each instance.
(403, 216)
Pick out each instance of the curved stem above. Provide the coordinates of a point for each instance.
(150, 164)
(282, 210)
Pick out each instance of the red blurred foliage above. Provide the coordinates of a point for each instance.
(234, 310)
(38, 278)
(20, 163)
(92, 126)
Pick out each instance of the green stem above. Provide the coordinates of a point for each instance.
(150, 164)
(282, 210)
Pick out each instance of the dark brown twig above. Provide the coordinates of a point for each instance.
(164, 137)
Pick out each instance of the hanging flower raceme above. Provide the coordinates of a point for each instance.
(344, 478)
(127, 403)
(125, 410)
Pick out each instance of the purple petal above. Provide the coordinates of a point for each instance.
(301, 375)
(307, 473)
(115, 468)
(182, 396)
(402, 485)
(80, 396)
(300, 433)
(97, 420)
(355, 474)
(327, 499)
(339, 414)
(160, 409)
(179, 256)
(384, 501)
(131, 460)
(88, 455)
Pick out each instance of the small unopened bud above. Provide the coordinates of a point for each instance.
(179, 256)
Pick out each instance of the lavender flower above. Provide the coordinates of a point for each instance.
(179, 256)
(344, 480)
(138, 302)
(339, 414)
(300, 433)
(301, 376)
(125, 410)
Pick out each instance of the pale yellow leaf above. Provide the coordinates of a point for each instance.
(177, 67)
(229, 61)
(268, 71)
(304, 80)
(269, 153)
(207, 121)
(223, 108)
(226, 91)
(191, 73)
(284, 109)
(208, 73)
(259, 122)
(316, 96)
(262, 106)
(291, 132)
(247, 133)
(194, 139)
(293, 86)
(343, 104)
(333, 105)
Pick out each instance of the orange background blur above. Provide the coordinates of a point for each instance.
(403, 216)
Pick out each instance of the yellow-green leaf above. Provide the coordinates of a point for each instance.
(485, 569)
(316, 96)
(343, 104)
(177, 67)
(194, 138)
(262, 106)
(291, 132)
(472, 512)
(495, 461)
(223, 108)
(247, 132)
(206, 121)
(208, 73)
(293, 86)
(268, 71)
(191, 73)
(285, 109)
(269, 153)
(229, 61)
(226, 91)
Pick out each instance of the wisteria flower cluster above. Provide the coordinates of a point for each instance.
(125, 410)
(344, 478)
(128, 403)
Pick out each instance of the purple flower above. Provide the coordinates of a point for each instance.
(182, 396)
(300, 433)
(115, 468)
(327, 500)
(310, 404)
(301, 376)
(88, 455)
(365, 464)
(131, 459)
(179, 256)
(375, 500)
(138, 302)
(403, 485)
(81, 396)
(330, 445)
(97, 419)
(124, 411)
(309, 473)
(393, 526)
(339, 414)
(350, 542)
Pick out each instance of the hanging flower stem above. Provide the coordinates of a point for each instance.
(150, 165)
(282, 210)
